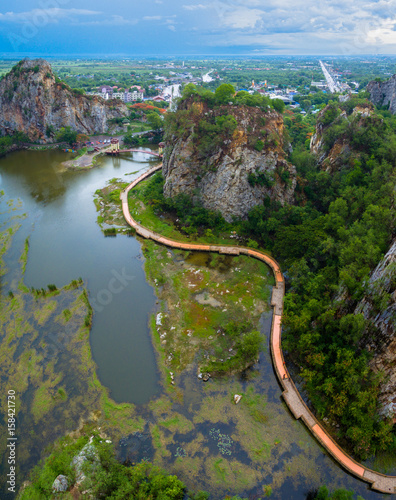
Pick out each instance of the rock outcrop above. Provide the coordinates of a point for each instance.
(379, 309)
(35, 102)
(219, 179)
(383, 93)
(60, 485)
(333, 151)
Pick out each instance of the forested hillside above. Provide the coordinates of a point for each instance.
(328, 243)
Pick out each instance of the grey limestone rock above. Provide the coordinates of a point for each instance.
(32, 101)
(379, 309)
(220, 181)
(383, 93)
(60, 484)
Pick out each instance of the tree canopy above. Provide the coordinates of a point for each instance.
(66, 134)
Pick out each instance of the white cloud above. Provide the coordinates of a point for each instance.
(242, 18)
(198, 6)
(114, 20)
(290, 26)
(384, 34)
(45, 15)
(300, 25)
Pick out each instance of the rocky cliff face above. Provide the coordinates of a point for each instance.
(379, 309)
(379, 303)
(219, 178)
(383, 93)
(34, 102)
(333, 154)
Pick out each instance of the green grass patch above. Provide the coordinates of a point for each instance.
(221, 472)
(24, 255)
(67, 314)
(256, 404)
(155, 433)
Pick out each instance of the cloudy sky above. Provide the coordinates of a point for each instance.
(177, 27)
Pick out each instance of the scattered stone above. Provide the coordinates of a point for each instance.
(205, 377)
(237, 398)
(206, 299)
(60, 484)
(85, 462)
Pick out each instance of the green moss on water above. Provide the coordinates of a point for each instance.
(220, 470)
(5, 244)
(51, 372)
(256, 404)
(45, 396)
(177, 423)
(22, 287)
(67, 314)
(155, 433)
(24, 255)
(44, 310)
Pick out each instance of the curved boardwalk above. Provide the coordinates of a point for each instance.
(378, 481)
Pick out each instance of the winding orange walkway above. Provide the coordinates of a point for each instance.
(379, 482)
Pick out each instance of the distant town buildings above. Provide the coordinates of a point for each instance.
(320, 85)
(107, 93)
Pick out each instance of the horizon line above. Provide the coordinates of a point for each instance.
(23, 55)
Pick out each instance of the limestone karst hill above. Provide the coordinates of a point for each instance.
(229, 157)
(35, 102)
(383, 93)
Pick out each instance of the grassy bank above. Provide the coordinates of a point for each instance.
(222, 297)
(211, 306)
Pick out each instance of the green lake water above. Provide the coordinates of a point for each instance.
(66, 243)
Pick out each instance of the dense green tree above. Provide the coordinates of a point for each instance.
(105, 476)
(66, 134)
(341, 494)
(154, 120)
(328, 246)
(224, 93)
(279, 105)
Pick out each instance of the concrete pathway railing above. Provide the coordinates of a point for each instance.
(293, 399)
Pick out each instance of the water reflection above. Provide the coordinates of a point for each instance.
(38, 172)
(66, 243)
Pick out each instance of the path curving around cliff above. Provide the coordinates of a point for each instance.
(379, 482)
